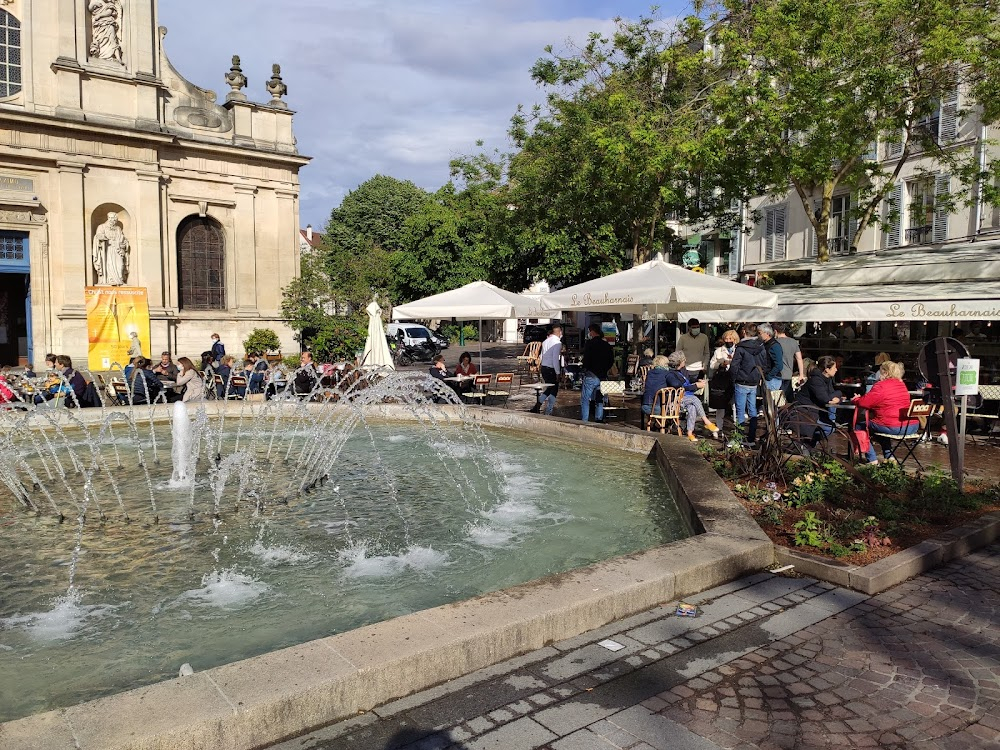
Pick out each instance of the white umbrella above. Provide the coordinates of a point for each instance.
(659, 287)
(377, 352)
(479, 300)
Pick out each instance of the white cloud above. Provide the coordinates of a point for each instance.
(380, 86)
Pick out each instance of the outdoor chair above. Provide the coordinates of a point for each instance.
(640, 378)
(121, 392)
(237, 386)
(614, 398)
(988, 411)
(529, 364)
(500, 392)
(480, 386)
(666, 408)
(917, 410)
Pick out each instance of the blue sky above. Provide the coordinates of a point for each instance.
(396, 87)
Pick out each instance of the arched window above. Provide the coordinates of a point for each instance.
(201, 264)
(10, 55)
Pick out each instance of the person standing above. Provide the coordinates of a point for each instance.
(697, 350)
(772, 372)
(598, 358)
(135, 347)
(550, 367)
(749, 361)
(791, 360)
(218, 348)
(720, 384)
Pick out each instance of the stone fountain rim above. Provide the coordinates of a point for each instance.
(259, 701)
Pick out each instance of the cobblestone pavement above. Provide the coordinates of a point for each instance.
(770, 662)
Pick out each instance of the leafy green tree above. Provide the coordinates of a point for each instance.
(807, 89)
(261, 341)
(623, 145)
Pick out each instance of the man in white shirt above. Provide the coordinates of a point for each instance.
(550, 367)
(697, 350)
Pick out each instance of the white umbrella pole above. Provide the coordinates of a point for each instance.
(480, 345)
(656, 331)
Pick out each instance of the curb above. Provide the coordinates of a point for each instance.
(890, 571)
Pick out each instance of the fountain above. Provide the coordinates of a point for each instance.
(210, 533)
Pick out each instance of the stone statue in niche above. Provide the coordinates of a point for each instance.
(106, 28)
(110, 252)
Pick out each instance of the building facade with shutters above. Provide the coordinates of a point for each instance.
(115, 170)
(914, 212)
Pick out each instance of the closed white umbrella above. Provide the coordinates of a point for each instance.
(479, 300)
(377, 352)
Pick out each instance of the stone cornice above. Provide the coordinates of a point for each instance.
(70, 65)
(221, 202)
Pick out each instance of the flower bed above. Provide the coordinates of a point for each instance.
(860, 514)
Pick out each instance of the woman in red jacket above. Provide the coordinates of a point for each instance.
(887, 403)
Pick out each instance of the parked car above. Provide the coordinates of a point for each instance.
(534, 332)
(413, 334)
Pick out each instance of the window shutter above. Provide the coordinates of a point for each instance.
(769, 235)
(939, 230)
(948, 122)
(894, 149)
(894, 205)
(779, 233)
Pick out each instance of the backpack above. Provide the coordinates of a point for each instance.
(91, 398)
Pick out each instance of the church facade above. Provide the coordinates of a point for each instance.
(116, 171)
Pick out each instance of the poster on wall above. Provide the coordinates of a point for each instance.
(114, 313)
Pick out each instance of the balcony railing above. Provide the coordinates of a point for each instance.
(838, 245)
(919, 235)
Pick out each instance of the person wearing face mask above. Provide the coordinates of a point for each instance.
(720, 385)
(696, 348)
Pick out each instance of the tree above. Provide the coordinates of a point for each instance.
(261, 341)
(363, 235)
(624, 143)
(810, 89)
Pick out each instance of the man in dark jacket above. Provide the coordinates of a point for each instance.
(750, 359)
(306, 376)
(598, 357)
(75, 379)
(772, 373)
(145, 385)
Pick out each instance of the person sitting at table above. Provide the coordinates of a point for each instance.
(224, 370)
(818, 392)
(254, 369)
(677, 377)
(873, 377)
(465, 368)
(145, 385)
(656, 380)
(887, 403)
(191, 380)
(165, 369)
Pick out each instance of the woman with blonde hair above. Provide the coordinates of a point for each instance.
(887, 403)
(720, 385)
(191, 379)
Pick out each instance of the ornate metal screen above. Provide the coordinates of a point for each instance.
(202, 265)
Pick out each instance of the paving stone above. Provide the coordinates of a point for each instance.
(658, 731)
(584, 740)
(523, 734)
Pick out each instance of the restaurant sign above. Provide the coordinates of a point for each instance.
(943, 311)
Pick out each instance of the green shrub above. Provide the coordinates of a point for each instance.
(339, 339)
(812, 531)
(452, 331)
(261, 341)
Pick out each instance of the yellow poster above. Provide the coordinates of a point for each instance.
(113, 314)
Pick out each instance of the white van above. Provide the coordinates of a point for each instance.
(414, 334)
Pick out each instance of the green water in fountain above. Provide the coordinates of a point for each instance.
(411, 518)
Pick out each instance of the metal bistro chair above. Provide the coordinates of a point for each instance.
(237, 386)
(666, 408)
(498, 395)
(480, 386)
(121, 392)
(917, 410)
(988, 411)
(614, 397)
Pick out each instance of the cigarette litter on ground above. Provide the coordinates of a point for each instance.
(686, 610)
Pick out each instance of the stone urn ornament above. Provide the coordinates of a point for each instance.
(276, 87)
(236, 81)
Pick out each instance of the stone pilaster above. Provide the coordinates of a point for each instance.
(246, 249)
(146, 266)
(70, 235)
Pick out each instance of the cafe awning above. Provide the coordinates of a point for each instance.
(961, 300)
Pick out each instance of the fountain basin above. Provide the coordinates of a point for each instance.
(266, 698)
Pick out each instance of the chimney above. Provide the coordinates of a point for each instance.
(309, 232)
